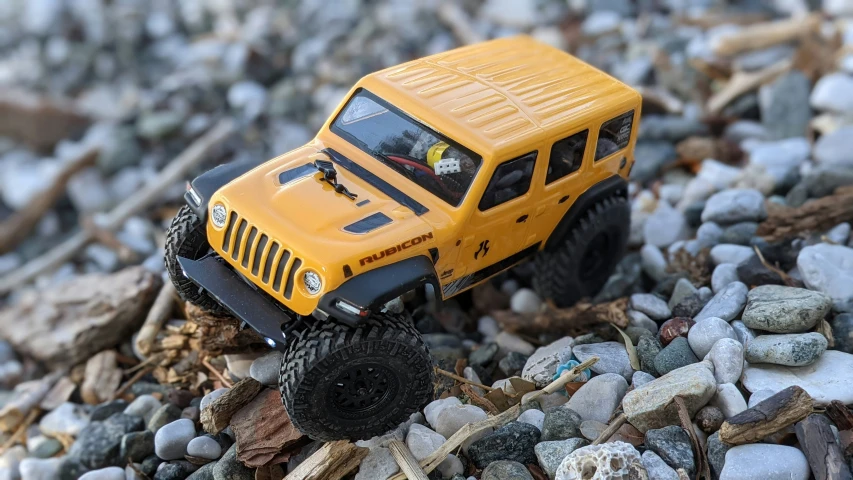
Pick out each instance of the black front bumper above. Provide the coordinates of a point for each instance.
(246, 303)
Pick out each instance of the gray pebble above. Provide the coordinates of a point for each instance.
(704, 334)
(204, 447)
(266, 369)
(726, 304)
(170, 441)
(675, 355)
(780, 309)
(724, 274)
(652, 305)
(793, 350)
(729, 253)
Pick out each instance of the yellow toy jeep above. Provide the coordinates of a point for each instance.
(431, 177)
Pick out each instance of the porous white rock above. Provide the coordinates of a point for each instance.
(609, 461)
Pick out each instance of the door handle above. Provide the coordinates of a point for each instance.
(522, 219)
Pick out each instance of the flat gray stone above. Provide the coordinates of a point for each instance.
(735, 205)
(762, 461)
(726, 304)
(793, 349)
(542, 365)
(204, 447)
(505, 470)
(780, 309)
(827, 379)
(652, 305)
(598, 398)
(650, 406)
(551, 454)
(613, 358)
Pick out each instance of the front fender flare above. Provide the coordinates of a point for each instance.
(374, 288)
(206, 184)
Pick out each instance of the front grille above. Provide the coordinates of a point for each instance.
(264, 259)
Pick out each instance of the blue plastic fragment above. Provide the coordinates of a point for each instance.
(568, 366)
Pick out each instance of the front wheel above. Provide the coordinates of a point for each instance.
(582, 263)
(187, 238)
(340, 382)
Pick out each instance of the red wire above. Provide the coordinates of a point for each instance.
(424, 168)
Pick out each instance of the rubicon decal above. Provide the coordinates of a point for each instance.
(395, 249)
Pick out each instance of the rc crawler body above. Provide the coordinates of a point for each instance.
(430, 178)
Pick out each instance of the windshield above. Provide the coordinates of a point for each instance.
(427, 158)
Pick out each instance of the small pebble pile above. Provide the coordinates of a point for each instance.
(729, 321)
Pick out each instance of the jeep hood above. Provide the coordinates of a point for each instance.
(287, 199)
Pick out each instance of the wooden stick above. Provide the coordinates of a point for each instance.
(215, 372)
(130, 382)
(432, 462)
(18, 226)
(462, 379)
(608, 432)
(743, 82)
(407, 462)
(157, 316)
(27, 396)
(331, 462)
(138, 201)
(20, 431)
(763, 35)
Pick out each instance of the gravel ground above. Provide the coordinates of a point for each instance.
(738, 284)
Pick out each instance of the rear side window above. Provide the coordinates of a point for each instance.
(566, 156)
(614, 135)
(511, 180)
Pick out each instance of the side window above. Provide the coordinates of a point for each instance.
(614, 135)
(511, 180)
(566, 156)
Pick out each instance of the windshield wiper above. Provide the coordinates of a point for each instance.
(330, 175)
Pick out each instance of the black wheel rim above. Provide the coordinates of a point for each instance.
(597, 255)
(361, 388)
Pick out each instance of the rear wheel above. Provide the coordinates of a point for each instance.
(586, 258)
(187, 238)
(340, 382)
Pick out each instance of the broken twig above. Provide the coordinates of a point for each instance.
(150, 193)
(407, 462)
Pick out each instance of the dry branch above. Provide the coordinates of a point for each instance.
(768, 417)
(744, 82)
(817, 215)
(573, 320)
(763, 35)
(149, 194)
(407, 462)
(331, 462)
(614, 426)
(27, 397)
(216, 416)
(157, 316)
(18, 226)
(822, 449)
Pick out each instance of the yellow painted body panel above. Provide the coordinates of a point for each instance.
(501, 99)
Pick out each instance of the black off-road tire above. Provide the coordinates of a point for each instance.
(187, 238)
(321, 371)
(581, 264)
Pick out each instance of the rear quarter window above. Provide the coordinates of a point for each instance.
(614, 135)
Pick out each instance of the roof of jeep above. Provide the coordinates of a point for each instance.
(495, 95)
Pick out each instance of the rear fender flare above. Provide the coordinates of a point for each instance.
(609, 187)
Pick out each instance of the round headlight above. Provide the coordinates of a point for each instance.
(218, 215)
(312, 282)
